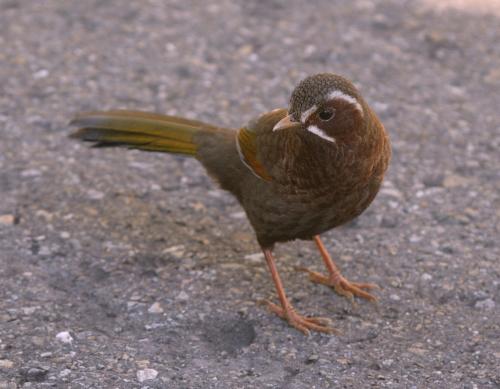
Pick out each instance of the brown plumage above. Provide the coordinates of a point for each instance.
(297, 173)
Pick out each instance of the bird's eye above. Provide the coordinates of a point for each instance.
(326, 114)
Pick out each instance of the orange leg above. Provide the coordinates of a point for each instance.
(286, 310)
(335, 280)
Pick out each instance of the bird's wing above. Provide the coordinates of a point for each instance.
(248, 153)
(247, 141)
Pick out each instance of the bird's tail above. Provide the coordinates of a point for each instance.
(139, 130)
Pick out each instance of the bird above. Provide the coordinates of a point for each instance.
(297, 172)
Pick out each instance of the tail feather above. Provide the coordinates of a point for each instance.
(139, 130)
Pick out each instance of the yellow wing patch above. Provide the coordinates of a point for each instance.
(245, 142)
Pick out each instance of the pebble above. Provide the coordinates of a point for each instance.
(64, 337)
(176, 251)
(388, 222)
(418, 350)
(255, 258)
(426, 277)
(29, 310)
(455, 181)
(182, 296)
(146, 374)
(391, 192)
(42, 73)
(44, 214)
(485, 304)
(64, 373)
(312, 358)
(155, 308)
(34, 374)
(95, 194)
(142, 363)
(6, 364)
(8, 385)
(44, 251)
(395, 297)
(415, 238)
(31, 173)
(7, 220)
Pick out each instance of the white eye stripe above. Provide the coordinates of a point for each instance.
(336, 94)
(306, 114)
(319, 132)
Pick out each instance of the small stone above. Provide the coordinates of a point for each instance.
(241, 236)
(312, 358)
(95, 194)
(64, 373)
(395, 297)
(6, 364)
(238, 215)
(487, 304)
(44, 251)
(155, 308)
(346, 258)
(8, 385)
(433, 180)
(182, 296)
(391, 192)
(254, 258)
(389, 222)
(343, 361)
(177, 251)
(415, 238)
(426, 277)
(142, 363)
(387, 362)
(245, 50)
(31, 173)
(7, 220)
(65, 235)
(64, 337)
(34, 374)
(42, 73)
(38, 341)
(146, 374)
(493, 76)
(418, 350)
(455, 181)
(29, 310)
(45, 215)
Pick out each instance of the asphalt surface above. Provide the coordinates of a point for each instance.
(122, 269)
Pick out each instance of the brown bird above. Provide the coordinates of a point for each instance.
(297, 173)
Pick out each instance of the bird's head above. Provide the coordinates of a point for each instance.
(327, 106)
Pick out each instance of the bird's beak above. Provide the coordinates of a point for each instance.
(286, 123)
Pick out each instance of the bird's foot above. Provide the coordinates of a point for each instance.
(302, 323)
(342, 286)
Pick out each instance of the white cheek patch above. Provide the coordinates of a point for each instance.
(336, 94)
(319, 132)
(306, 114)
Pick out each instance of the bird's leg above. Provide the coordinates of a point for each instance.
(335, 279)
(286, 310)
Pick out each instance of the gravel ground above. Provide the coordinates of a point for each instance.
(121, 269)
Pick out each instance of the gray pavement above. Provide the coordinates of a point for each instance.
(121, 269)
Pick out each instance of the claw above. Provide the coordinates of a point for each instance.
(342, 286)
(302, 323)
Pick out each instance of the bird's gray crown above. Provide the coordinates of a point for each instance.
(315, 89)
